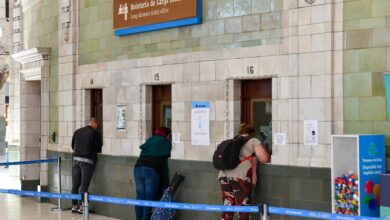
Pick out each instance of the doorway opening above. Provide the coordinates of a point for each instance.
(97, 107)
(256, 108)
(161, 106)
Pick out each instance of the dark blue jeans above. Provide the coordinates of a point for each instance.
(82, 176)
(147, 183)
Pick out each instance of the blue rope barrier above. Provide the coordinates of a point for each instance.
(314, 214)
(299, 213)
(174, 205)
(343, 217)
(41, 194)
(133, 202)
(51, 160)
(188, 206)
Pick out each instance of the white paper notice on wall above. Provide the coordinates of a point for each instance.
(121, 117)
(176, 138)
(280, 138)
(200, 123)
(310, 132)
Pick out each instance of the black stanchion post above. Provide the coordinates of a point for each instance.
(265, 212)
(85, 206)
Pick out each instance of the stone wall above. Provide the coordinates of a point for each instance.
(215, 76)
(366, 58)
(303, 64)
(226, 24)
(41, 29)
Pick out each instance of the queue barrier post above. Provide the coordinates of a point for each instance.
(59, 208)
(264, 212)
(85, 206)
(7, 155)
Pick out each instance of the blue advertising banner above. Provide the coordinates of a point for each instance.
(371, 165)
(387, 89)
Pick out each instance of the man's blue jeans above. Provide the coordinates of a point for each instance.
(147, 183)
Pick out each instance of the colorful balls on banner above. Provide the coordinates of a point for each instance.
(347, 194)
(373, 204)
(376, 192)
(372, 199)
(369, 187)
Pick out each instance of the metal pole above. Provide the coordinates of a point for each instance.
(59, 181)
(265, 212)
(59, 185)
(7, 155)
(85, 207)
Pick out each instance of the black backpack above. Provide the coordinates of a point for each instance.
(227, 154)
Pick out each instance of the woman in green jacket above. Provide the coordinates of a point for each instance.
(151, 169)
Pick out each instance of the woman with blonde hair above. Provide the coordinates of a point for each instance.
(237, 183)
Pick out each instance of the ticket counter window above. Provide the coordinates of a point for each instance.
(166, 114)
(256, 108)
(162, 106)
(97, 107)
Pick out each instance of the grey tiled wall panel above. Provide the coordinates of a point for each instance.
(285, 186)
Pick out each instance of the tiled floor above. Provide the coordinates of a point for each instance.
(16, 208)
